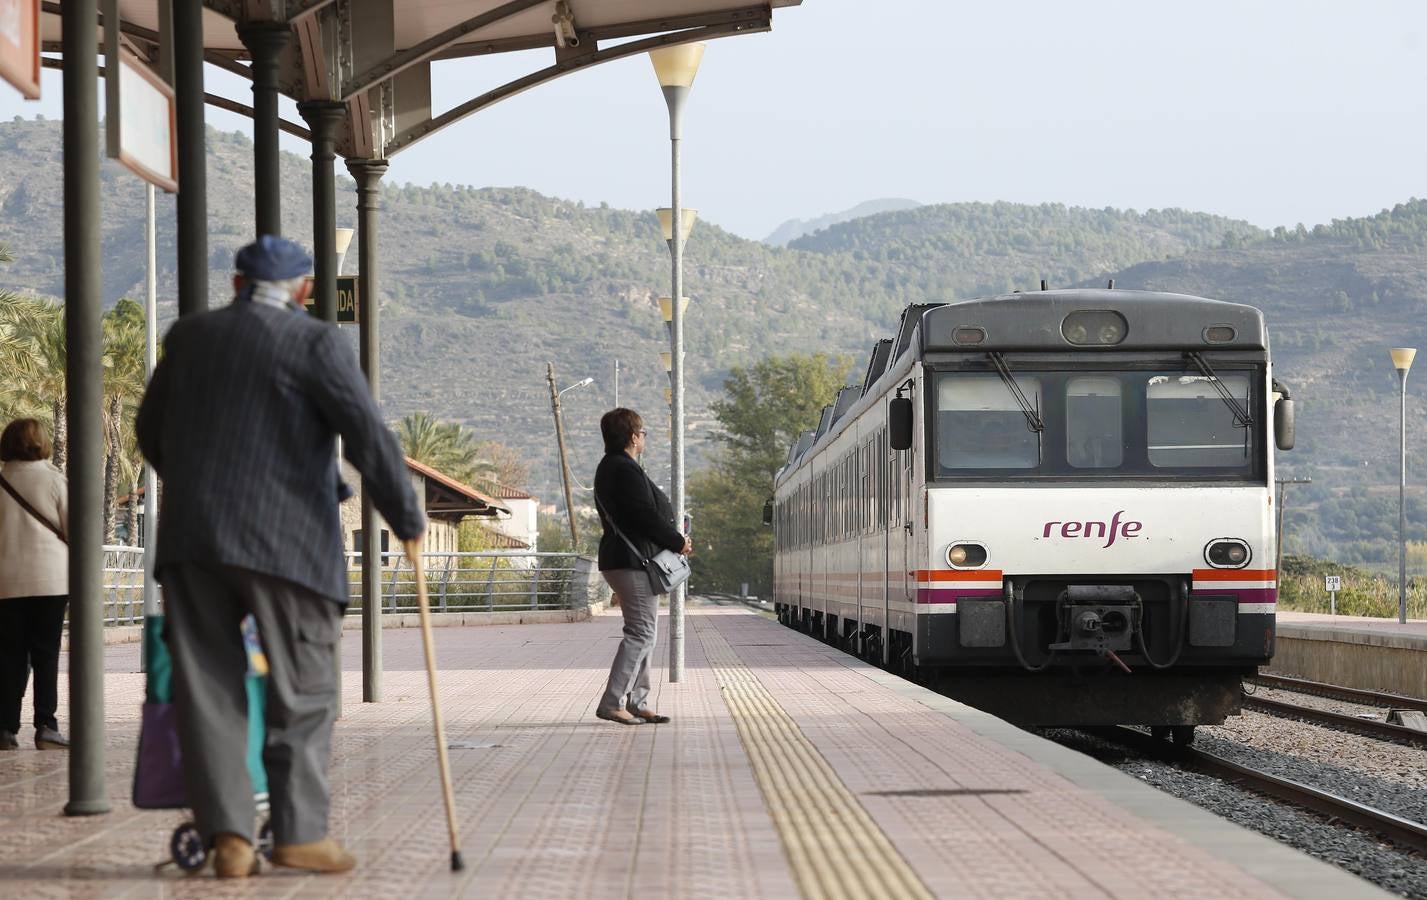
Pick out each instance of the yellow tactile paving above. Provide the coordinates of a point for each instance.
(835, 848)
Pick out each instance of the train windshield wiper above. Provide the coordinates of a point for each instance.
(1242, 419)
(1033, 416)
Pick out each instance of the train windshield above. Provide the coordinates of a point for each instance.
(1144, 424)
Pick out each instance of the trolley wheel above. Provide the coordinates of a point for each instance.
(1159, 732)
(1183, 735)
(265, 840)
(186, 848)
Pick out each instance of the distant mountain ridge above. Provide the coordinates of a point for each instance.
(796, 228)
(482, 286)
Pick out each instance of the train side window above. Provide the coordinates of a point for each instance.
(1094, 430)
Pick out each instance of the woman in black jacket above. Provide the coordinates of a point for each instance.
(629, 501)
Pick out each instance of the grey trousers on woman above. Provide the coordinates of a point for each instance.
(628, 686)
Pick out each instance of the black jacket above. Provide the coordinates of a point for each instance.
(241, 422)
(638, 507)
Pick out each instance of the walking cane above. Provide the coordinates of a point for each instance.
(413, 553)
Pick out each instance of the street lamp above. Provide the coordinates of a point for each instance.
(675, 67)
(560, 441)
(344, 241)
(1402, 361)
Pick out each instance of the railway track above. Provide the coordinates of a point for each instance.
(1404, 833)
(1369, 727)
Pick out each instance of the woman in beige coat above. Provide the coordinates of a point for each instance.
(34, 580)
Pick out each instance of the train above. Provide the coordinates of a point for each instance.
(1054, 505)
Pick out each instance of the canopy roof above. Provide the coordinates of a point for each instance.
(375, 55)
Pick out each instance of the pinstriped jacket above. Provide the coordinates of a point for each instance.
(240, 421)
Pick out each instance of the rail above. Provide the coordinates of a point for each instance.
(486, 581)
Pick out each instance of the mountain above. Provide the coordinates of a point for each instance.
(480, 287)
(796, 228)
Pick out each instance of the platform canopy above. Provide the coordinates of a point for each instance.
(375, 56)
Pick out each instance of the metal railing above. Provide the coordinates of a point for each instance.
(484, 581)
(487, 581)
(123, 585)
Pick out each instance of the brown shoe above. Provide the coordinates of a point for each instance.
(325, 855)
(233, 856)
(618, 716)
(649, 716)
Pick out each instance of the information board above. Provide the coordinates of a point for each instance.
(20, 45)
(348, 304)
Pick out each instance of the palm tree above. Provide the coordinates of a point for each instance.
(32, 353)
(444, 446)
(123, 385)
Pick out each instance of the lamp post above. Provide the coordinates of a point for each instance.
(1402, 361)
(675, 67)
(344, 242)
(560, 441)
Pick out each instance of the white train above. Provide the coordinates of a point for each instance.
(1054, 505)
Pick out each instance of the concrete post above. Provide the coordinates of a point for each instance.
(368, 174)
(192, 158)
(265, 41)
(82, 309)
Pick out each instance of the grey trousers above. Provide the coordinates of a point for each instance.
(204, 608)
(629, 675)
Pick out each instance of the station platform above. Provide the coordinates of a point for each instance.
(1353, 651)
(789, 770)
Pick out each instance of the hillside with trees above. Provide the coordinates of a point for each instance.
(482, 286)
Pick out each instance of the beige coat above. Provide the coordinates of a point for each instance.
(33, 561)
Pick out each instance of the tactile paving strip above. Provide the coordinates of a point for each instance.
(835, 848)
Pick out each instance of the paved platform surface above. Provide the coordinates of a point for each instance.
(790, 770)
(1355, 629)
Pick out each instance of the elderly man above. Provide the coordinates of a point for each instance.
(241, 421)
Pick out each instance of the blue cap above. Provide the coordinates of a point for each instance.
(272, 258)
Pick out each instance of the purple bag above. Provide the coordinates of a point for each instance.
(158, 772)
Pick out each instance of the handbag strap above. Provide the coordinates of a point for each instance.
(25, 505)
(643, 560)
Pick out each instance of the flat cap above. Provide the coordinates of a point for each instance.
(271, 258)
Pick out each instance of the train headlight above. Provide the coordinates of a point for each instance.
(966, 556)
(1227, 553)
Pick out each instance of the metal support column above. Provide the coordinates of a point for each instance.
(674, 97)
(265, 42)
(323, 118)
(82, 309)
(368, 174)
(192, 150)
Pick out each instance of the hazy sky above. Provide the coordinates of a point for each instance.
(1275, 111)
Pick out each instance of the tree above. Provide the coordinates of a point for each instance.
(123, 386)
(444, 446)
(764, 409)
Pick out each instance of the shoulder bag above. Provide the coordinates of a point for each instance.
(25, 505)
(666, 569)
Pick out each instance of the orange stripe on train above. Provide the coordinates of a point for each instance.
(1235, 575)
(958, 575)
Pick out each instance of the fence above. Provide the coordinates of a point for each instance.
(488, 581)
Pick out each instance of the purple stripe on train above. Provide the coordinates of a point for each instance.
(951, 595)
(1243, 595)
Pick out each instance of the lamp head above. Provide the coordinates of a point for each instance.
(676, 66)
(666, 222)
(344, 239)
(667, 359)
(1402, 358)
(666, 307)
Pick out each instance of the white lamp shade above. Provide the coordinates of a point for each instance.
(1402, 357)
(344, 239)
(667, 359)
(668, 395)
(666, 222)
(666, 307)
(676, 66)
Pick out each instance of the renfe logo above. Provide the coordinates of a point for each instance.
(1116, 529)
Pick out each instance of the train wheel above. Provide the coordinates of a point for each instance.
(1183, 735)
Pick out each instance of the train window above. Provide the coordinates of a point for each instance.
(979, 424)
(1094, 435)
(1191, 425)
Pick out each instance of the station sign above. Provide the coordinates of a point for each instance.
(1334, 583)
(20, 46)
(140, 116)
(348, 303)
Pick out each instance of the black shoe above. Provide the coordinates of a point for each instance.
(619, 716)
(49, 739)
(649, 715)
(9, 741)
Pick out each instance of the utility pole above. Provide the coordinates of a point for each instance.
(616, 383)
(564, 467)
(1283, 484)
